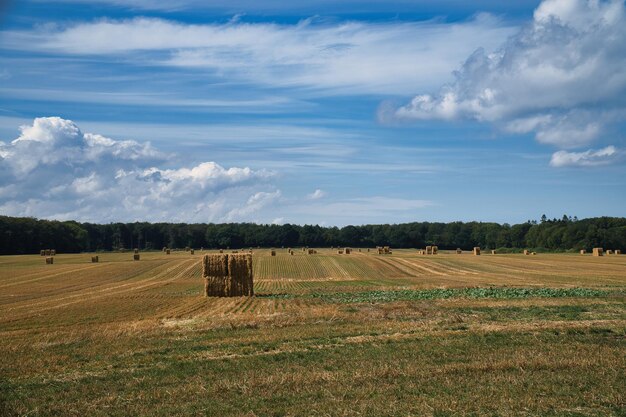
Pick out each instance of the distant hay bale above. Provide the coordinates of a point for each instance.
(136, 251)
(339, 252)
(359, 249)
(291, 252)
(167, 251)
(434, 250)
(533, 253)
(383, 250)
(476, 250)
(192, 251)
(609, 252)
(368, 249)
(311, 251)
(49, 260)
(273, 253)
(234, 251)
(42, 253)
(94, 259)
(526, 252)
(493, 252)
(429, 250)
(618, 252)
(53, 252)
(221, 250)
(582, 251)
(46, 252)
(347, 251)
(598, 252)
(164, 248)
(459, 251)
(227, 275)
(136, 257)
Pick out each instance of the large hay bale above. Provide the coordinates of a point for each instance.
(476, 250)
(273, 253)
(94, 259)
(598, 252)
(227, 275)
(347, 251)
(582, 251)
(136, 257)
(49, 260)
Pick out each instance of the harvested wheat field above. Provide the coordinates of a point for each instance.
(365, 334)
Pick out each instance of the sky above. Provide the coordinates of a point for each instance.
(312, 112)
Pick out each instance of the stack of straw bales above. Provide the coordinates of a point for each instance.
(49, 260)
(476, 250)
(383, 250)
(227, 275)
(598, 252)
(94, 259)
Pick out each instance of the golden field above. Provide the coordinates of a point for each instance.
(326, 334)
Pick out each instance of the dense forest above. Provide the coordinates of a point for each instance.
(28, 235)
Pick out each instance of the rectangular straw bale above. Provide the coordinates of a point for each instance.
(47, 252)
(42, 253)
(136, 257)
(53, 252)
(136, 250)
(618, 252)
(167, 251)
(598, 252)
(476, 250)
(94, 259)
(429, 250)
(227, 275)
(459, 251)
(493, 252)
(49, 260)
(347, 251)
(273, 253)
(526, 252)
(582, 251)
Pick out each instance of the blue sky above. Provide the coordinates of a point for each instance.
(312, 112)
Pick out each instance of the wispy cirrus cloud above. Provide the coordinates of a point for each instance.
(346, 57)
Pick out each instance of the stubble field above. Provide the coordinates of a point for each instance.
(326, 334)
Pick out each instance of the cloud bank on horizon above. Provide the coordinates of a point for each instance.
(560, 77)
(55, 170)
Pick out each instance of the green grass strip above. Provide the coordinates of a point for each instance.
(436, 294)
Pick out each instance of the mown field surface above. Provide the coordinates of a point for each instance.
(326, 334)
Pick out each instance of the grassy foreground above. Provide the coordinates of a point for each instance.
(327, 335)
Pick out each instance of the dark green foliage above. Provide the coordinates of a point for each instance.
(28, 235)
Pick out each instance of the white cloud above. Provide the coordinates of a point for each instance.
(589, 158)
(350, 56)
(316, 195)
(561, 77)
(54, 170)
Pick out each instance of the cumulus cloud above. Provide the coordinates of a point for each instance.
(561, 77)
(54, 170)
(317, 194)
(358, 57)
(589, 158)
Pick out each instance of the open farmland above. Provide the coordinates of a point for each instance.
(326, 334)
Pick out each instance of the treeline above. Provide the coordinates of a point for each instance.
(28, 235)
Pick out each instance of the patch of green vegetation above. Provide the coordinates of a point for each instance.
(445, 293)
